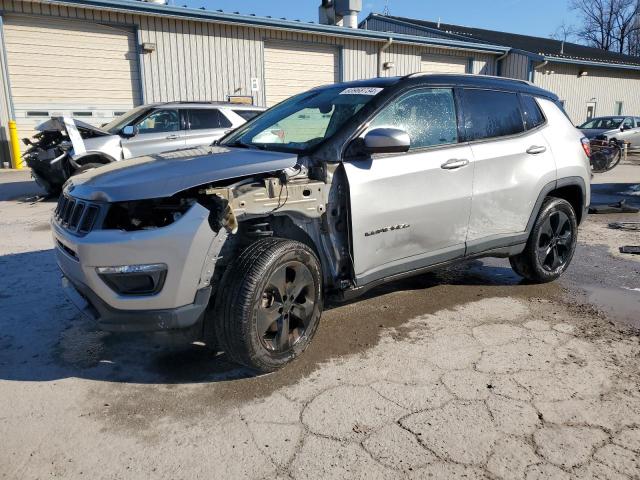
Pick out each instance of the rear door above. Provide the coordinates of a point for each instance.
(513, 161)
(204, 126)
(412, 209)
(158, 132)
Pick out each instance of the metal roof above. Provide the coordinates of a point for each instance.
(147, 8)
(548, 48)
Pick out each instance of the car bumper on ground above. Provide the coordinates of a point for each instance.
(183, 297)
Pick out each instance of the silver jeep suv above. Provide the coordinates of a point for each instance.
(324, 196)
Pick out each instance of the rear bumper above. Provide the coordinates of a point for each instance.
(115, 320)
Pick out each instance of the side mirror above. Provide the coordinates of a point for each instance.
(387, 140)
(129, 131)
(623, 128)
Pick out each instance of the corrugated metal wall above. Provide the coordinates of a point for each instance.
(606, 86)
(515, 65)
(209, 61)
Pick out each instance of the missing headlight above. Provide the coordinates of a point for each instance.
(146, 214)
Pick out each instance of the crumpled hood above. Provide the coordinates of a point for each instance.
(56, 124)
(163, 175)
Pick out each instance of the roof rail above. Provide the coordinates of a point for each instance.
(495, 77)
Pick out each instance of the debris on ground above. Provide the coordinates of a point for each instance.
(625, 226)
(632, 249)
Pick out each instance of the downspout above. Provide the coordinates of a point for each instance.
(537, 67)
(499, 63)
(380, 52)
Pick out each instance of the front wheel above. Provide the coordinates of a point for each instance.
(269, 305)
(551, 244)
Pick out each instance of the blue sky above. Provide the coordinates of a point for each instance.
(530, 17)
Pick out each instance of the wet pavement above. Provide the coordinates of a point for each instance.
(465, 371)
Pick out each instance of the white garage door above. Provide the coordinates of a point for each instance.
(66, 67)
(443, 64)
(291, 69)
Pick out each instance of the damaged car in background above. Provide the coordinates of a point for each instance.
(64, 147)
(323, 197)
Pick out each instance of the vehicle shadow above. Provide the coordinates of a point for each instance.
(44, 338)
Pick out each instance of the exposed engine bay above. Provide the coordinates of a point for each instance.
(289, 205)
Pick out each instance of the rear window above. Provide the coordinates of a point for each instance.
(206, 118)
(533, 116)
(491, 114)
(247, 114)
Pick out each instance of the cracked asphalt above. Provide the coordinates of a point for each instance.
(464, 373)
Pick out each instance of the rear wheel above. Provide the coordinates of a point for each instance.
(551, 244)
(269, 305)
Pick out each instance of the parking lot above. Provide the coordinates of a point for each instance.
(462, 373)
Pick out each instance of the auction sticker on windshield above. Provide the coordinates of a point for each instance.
(361, 91)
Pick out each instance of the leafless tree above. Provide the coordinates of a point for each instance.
(608, 24)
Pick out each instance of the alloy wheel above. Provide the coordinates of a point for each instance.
(286, 307)
(555, 241)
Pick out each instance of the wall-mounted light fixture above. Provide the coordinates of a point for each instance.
(388, 65)
(583, 73)
(148, 47)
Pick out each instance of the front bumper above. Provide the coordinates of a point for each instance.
(183, 246)
(114, 320)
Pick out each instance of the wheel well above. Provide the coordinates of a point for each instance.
(95, 158)
(572, 194)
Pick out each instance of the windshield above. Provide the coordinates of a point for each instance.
(608, 123)
(304, 121)
(115, 125)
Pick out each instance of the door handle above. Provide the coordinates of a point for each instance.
(455, 163)
(172, 137)
(536, 150)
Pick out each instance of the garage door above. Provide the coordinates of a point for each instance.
(443, 64)
(66, 67)
(292, 69)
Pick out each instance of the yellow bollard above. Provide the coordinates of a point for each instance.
(16, 156)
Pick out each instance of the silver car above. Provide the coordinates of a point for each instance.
(324, 196)
(619, 128)
(65, 147)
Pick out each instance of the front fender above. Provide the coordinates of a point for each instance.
(92, 156)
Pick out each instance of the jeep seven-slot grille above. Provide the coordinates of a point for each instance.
(76, 216)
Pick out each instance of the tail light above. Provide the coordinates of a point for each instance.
(586, 146)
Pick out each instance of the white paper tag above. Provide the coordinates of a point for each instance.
(74, 136)
(361, 91)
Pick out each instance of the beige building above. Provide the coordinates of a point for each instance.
(93, 59)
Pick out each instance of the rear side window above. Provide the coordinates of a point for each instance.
(206, 118)
(491, 114)
(247, 114)
(428, 116)
(533, 116)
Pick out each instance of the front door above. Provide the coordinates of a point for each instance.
(411, 210)
(591, 110)
(159, 132)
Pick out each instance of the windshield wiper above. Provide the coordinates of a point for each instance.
(240, 144)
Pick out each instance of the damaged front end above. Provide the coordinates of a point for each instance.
(48, 153)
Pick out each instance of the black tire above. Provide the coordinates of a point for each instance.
(86, 167)
(255, 305)
(551, 244)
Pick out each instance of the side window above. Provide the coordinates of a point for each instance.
(490, 114)
(207, 118)
(428, 116)
(533, 116)
(160, 121)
